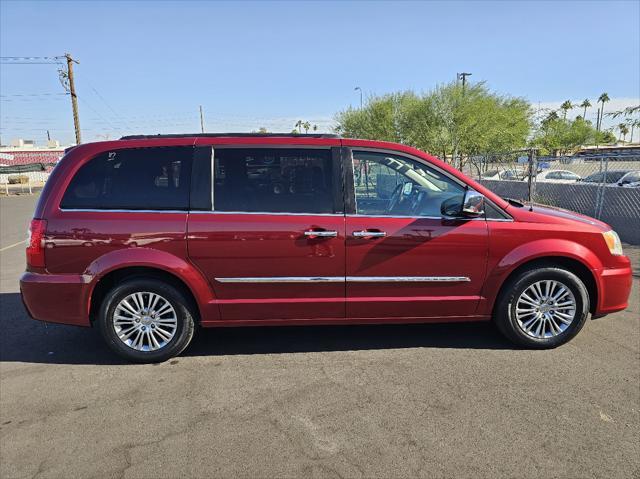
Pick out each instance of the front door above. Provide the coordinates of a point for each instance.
(404, 260)
(273, 245)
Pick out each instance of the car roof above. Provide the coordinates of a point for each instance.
(230, 135)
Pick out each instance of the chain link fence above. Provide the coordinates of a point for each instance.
(603, 184)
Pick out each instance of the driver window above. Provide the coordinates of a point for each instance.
(393, 185)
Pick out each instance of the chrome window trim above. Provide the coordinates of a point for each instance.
(264, 213)
(429, 218)
(208, 212)
(398, 217)
(116, 210)
(342, 279)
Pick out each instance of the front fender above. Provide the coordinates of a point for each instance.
(531, 251)
(546, 248)
(160, 260)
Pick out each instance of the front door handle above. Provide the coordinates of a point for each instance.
(320, 234)
(369, 234)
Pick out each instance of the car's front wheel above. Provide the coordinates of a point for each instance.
(146, 320)
(542, 308)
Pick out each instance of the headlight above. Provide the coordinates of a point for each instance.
(613, 242)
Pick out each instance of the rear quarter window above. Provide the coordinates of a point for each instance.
(133, 179)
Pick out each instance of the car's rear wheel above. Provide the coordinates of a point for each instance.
(542, 308)
(146, 320)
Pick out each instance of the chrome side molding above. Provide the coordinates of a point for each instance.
(408, 279)
(284, 279)
(350, 279)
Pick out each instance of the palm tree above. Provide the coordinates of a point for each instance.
(585, 104)
(623, 131)
(565, 107)
(633, 124)
(604, 98)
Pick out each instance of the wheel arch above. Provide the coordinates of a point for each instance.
(573, 265)
(118, 265)
(113, 277)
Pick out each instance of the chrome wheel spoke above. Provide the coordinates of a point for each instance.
(145, 321)
(125, 306)
(545, 309)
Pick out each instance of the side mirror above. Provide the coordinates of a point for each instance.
(451, 207)
(473, 204)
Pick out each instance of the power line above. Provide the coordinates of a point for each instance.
(85, 102)
(32, 94)
(31, 60)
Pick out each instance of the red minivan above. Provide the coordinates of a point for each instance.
(149, 237)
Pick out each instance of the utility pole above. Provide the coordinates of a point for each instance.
(201, 120)
(463, 76)
(74, 97)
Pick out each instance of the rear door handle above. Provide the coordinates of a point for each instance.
(369, 234)
(320, 234)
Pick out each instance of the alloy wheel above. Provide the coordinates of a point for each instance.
(145, 321)
(545, 309)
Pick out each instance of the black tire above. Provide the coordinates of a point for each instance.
(505, 310)
(182, 307)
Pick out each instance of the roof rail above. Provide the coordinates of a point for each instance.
(234, 135)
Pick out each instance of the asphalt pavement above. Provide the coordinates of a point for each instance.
(395, 401)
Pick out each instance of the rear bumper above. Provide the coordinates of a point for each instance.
(57, 298)
(615, 288)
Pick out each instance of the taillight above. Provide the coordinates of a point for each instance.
(35, 243)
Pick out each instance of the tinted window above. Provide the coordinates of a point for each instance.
(139, 179)
(273, 180)
(614, 176)
(395, 185)
(595, 178)
(554, 175)
(567, 175)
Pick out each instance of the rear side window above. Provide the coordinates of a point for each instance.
(134, 179)
(555, 175)
(275, 180)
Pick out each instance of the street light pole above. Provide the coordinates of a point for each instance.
(360, 90)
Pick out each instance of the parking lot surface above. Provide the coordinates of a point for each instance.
(355, 401)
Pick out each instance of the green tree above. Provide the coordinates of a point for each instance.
(446, 121)
(558, 136)
(585, 104)
(565, 107)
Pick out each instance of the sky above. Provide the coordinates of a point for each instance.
(146, 67)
